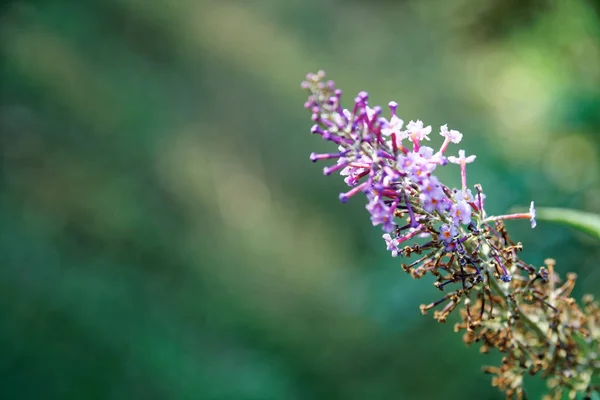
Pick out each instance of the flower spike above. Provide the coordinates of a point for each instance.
(521, 310)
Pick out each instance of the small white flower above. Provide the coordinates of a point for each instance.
(394, 126)
(416, 130)
(461, 159)
(426, 152)
(392, 244)
(466, 195)
(451, 135)
(370, 112)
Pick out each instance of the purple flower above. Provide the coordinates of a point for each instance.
(380, 213)
(447, 233)
(393, 126)
(416, 166)
(444, 205)
(465, 195)
(390, 176)
(345, 196)
(428, 203)
(406, 162)
(450, 247)
(432, 188)
(391, 243)
(431, 204)
(426, 152)
(420, 171)
(342, 119)
(398, 181)
(431, 194)
(356, 169)
(461, 213)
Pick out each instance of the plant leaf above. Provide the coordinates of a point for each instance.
(580, 220)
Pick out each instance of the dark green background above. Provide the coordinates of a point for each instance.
(163, 234)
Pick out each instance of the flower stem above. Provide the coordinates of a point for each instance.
(501, 292)
(498, 290)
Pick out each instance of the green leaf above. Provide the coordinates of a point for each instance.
(580, 220)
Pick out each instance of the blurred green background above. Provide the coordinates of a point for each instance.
(163, 234)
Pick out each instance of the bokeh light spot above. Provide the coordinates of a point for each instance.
(571, 162)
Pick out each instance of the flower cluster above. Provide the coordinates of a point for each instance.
(389, 163)
(507, 304)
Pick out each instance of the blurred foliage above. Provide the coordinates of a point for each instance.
(164, 236)
(496, 19)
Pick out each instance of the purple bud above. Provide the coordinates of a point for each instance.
(383, 154)
(334, 138)
(361, 98)
(345, 196)
(326, 156)
(333, 168)
(316, 129)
